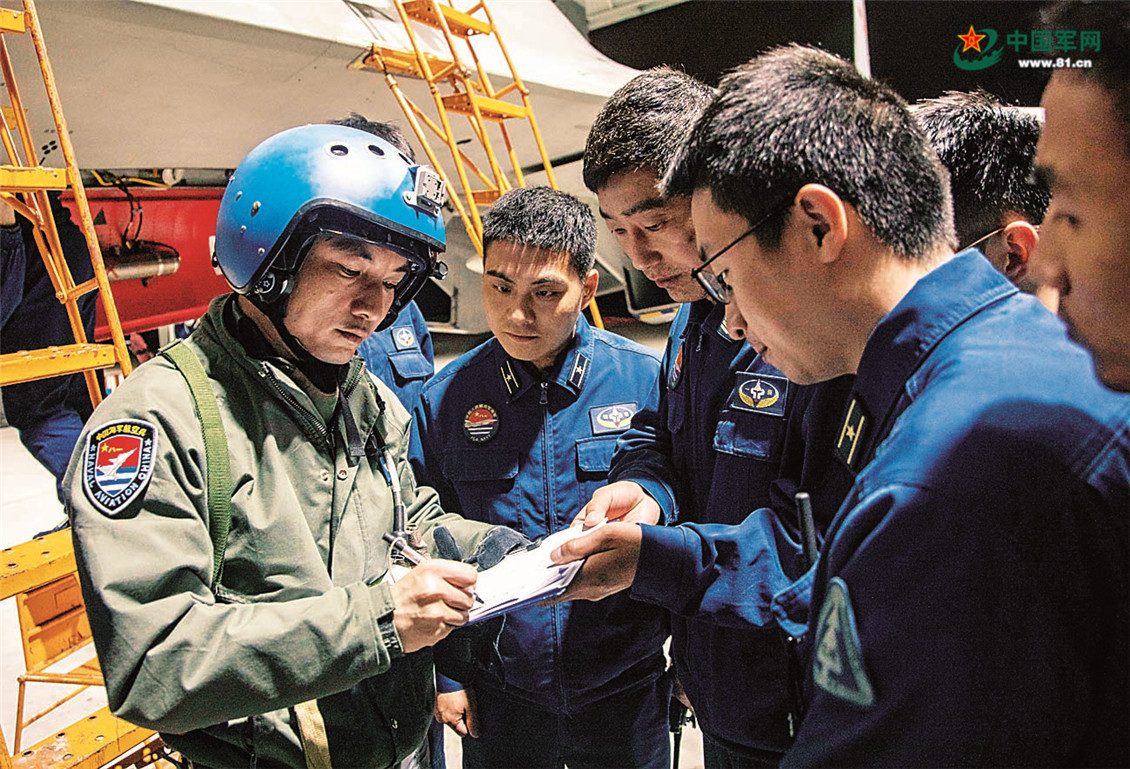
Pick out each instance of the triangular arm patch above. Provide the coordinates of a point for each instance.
(837, 665)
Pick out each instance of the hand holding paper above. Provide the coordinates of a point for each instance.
(610, 554)
(525, 577)
(620, 501)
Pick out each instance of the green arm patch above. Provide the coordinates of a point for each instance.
(837, 666)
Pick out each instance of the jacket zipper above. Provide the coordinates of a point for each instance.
(311, 424)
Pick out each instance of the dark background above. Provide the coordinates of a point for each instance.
(912, 43)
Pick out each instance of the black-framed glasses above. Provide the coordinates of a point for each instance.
(715, 286)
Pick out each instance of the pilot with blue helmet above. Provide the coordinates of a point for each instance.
(401, 355)
(257, 622)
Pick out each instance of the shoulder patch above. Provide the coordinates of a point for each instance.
(760, 393)
(851, 435)
(404, 338)
(117, 464)
(580, 371)
(837, 665)
(612, 419)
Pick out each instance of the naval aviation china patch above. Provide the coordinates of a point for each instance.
(117, 463)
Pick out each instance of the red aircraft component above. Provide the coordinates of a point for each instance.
(183, 218)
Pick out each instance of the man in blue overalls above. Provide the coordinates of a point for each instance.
(985, 537)
(714, 448)
(401, 355)
(48, 413)
(1084, 155)
(998, 204)
(520, 431)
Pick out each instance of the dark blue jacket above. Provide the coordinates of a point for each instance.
(48, 413)
(710, 454)
(503, 445)
(401, 355)
(972, 593)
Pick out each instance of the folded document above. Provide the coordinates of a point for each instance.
(525, 577)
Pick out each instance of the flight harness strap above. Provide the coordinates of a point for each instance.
(215, 451)
(311, 726)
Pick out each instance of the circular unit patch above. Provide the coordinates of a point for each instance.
(481, 423)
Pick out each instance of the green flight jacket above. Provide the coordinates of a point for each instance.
(301, 612)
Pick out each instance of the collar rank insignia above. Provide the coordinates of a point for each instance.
(580, 369)
(508, 378)
(403, 338)
(611, 419)
(851, 435)
(760, 393)
(837, 666)
(481, 423)
(724, 331)
(117, 464)
(676, 369)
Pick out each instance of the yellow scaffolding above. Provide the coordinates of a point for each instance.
(25, 185)
(471, 93)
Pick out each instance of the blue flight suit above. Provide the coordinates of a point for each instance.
(710, 454)
(971, 598)
(48, 413)
(971, 601)
(401, 355)
(501, 443)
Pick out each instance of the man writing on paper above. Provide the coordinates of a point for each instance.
(284, 644)
(520, 431)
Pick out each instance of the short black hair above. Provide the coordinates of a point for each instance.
(643, 124)
(1110, 66)
(390, 132)
(543, 217)
(798, 115)
(988, 149)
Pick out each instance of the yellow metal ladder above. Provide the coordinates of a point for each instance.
(471, 93)
(24, 185)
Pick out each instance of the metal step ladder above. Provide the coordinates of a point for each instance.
(470, 93)
(25, 185)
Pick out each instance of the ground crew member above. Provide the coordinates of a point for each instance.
(288, 645)
(998, 203)
(47, 413)
(985, 537)
(520, 431)
(1084, 156)
(714, 448)
(401, 355)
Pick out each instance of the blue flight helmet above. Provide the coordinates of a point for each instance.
(326, 180)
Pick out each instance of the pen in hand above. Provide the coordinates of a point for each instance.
(414, 556)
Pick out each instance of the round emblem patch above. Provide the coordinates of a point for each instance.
(481, 423)
(759, 393)
(117, 463)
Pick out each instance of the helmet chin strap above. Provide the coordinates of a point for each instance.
(325, 376)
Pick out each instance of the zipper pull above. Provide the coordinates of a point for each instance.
(544, 393)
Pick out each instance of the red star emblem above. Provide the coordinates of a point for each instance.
(971, 40)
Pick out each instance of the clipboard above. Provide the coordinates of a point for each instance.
(526, 577)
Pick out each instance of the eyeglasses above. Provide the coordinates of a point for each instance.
(981, 239)
(715, 286)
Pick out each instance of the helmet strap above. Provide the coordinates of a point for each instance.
(325, 376)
